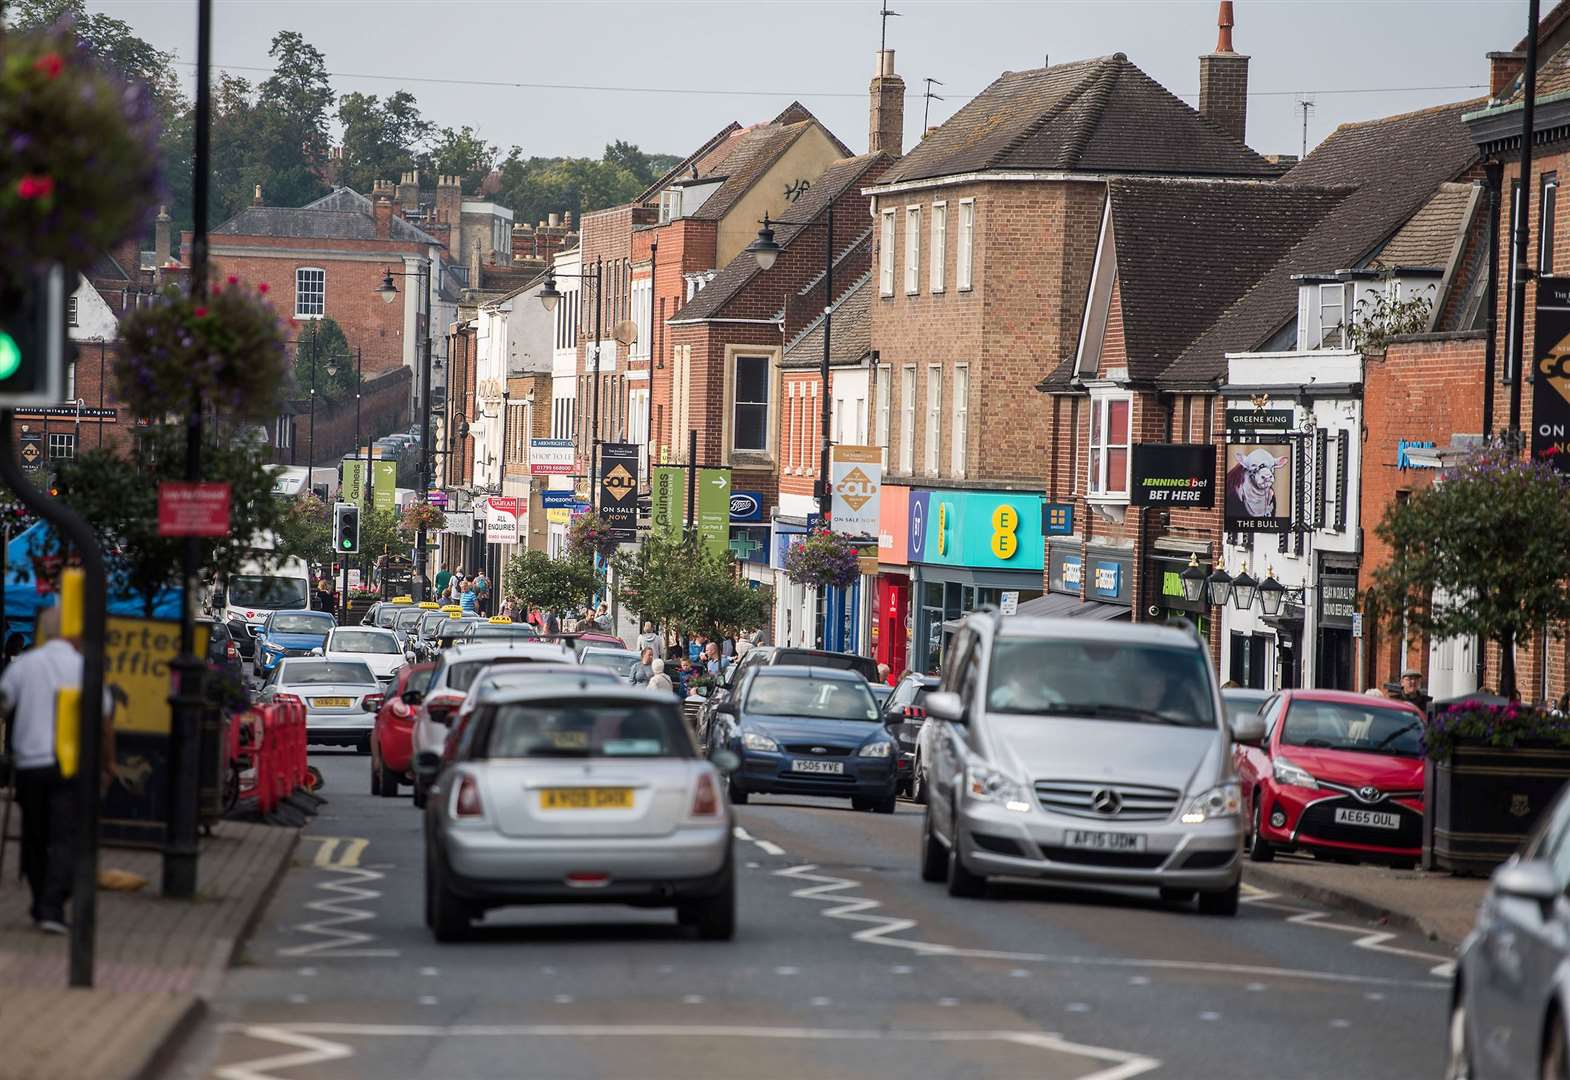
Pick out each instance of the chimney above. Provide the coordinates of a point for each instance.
(1504, 68)
(886, 115)
(1223, 81)
(256, 196)
(474, 265)
(382, 211)
(409, 191)
(449, 210)
(161, 247)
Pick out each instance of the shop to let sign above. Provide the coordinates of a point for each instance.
(193, 509)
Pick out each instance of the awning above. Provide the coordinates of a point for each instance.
(1062, 606)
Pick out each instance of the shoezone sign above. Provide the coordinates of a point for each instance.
(855, 481)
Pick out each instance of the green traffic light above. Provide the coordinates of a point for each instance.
(10, 355)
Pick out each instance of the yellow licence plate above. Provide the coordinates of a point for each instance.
(586, 799)
(331, 702)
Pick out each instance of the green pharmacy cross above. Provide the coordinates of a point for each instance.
(743, 546)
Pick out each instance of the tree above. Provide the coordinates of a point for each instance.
(538, 186)
(305, 531)
(1383, 315)
(689, 589)
(382, 137)
(293, 104)
(462, 153)
(536, 580)
(324, 352)
(1483, 554)
(379, 535)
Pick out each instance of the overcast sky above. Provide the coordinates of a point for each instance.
(1356, 59)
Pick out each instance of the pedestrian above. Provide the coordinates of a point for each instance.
(711, 659)
(648, 639)
(743, 647)
(1412, 688)
(696, 647)
(467, 599)
(443, 577)
(883, 674)
(644, 671)
(324, 595)
(28, 691)
(727, 649)
(685, 673)
(482, 592)
(658, 680)
(553, 623)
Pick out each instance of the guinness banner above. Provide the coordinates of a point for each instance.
(619, 489)
(1551, 374)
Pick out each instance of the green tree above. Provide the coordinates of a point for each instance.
(537, 186)
(324, 352)
(1482, 554)
(536, 580)
(683, 586)
(461, 152)
(294, 103)
(305, 531)
(382, 137)
(379, 536)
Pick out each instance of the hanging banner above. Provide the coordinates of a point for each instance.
(551, 457)
(855, 477)
(557, 500)
(668, 500)
(459, 523)
(1551, 374)
(619, 489)
(503, 519)
(713, 509)
(1173, 474)
(1259, 488)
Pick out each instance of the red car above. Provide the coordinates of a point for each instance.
(392, 739)
(1334, 773)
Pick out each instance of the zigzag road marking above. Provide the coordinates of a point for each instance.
(316, 1049)
(881, 927)
(340, 941)
(1372, 940)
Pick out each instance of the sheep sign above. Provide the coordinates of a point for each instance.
(1259, 488)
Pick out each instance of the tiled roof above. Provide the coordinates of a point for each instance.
(851, 338)
(344, 214)
(107, 268)
(685, 165)
(1429, 237)
(755, 151)
(843, 175)
(1094, 115)
(1396, 164)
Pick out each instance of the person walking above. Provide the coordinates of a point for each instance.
(658, 680)
(648, 639)
(711, 659)
(1412, 689)
(467, 599)
(443, 578)
(47, 800)
(482, 593)
(685, 673)
(644, 671)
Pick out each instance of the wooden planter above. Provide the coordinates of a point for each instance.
(357, 607)
(1484, 801)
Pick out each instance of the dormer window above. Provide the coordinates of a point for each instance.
(670, 205)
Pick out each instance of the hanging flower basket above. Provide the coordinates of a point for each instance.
(78, 154)
(823, 560)
(590, 534)
(228, 346)
(416, 514)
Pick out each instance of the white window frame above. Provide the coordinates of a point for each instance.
(932, 435)
(71, 311)
(299, 312)
(771, 358)
(884, 391)
(964, 256)
(1096, 457)
(959, 431)
(907, 419)
(886, 254)
(62, 445)
(791, 442)
(912, 250)
(940, 243)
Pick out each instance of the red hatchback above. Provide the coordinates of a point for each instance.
(1335, 773)
(392, 739)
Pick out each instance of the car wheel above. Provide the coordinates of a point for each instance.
(389, 781)
(918, 784)
(934, 860)
(1177, 896)
(1220, 903)
(448, 915)
(1556, 1059)
(1458, 1061)
(858, 803)
(738, 794)
(961, 882)
(1259, 849)
(885, 806)
(376, 777)
(714, 916)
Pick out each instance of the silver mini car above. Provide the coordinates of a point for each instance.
(596, 795)
(1081, 752)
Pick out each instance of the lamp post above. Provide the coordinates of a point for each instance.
(550, 297)
(388, 291)
(310, 453)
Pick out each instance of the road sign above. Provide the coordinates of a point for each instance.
(713, 508)
(1357, 624)
(193, 509)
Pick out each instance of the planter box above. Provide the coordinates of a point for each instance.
(356, 609)
(1482, 803)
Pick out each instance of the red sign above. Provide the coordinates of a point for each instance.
(193, 509)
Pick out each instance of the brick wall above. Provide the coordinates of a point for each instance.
(384, 409)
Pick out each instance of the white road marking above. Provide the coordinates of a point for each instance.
(860, 909)
(298, 999)
(1076, 1007)
(314, 1048)
(821, 1001)
(948, 1003)
(1019, 973)
(901, 969)
(547, 971)
(341, 942)
(692, 999)
(1373, 940)
(1375, 997)
(1340, 1023)
(427, 999)
(1209, 1016)
(1254, 988)
(563, 999)
(665, 969)
(429, 971)
(766, 846)
(1139, 980)
(308, 972)
(787, 970)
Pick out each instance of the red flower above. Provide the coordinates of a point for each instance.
(49, 65)
(233, 280)
(200, 312)
(35, 186)
(262, 288)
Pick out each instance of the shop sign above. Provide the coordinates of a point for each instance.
(618, 482)
(551, 457)
(1337, 600)
(503, 519)
(1108, 583)
(750, 543)
(1259, 487)
(1067, 572)
(557, 500)
(920, 505)
(32, 450)
(746, 506)
(1173, 474)
(856, 476)
(894, 525)
(981, 529)
(713, 508)
(1243, 420)
(1057, 519)
(668, 500)
(459, 523)
(1551, 369)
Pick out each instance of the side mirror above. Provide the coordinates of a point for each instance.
(1527, 880)
(725, 761)
(947, 706)
(1249, 730)
(413, 697)
(727, 708)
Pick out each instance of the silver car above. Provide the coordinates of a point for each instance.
(1081, 752)
(340, 697)
(1512, 989)
(596, 794)
(621, 662)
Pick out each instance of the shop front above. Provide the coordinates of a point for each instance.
(1164, 593)
(1333, 645)
(1086, 582)
(890, 631)
(969, 550)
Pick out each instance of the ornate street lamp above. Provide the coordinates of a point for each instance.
(1193, 579)
(764, 249)
(549, 297)
(1243, 589)
(1219, 587)
(387, 290)
(1271, 593)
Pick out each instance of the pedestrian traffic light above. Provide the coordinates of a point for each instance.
(32, 339)
(346, 528)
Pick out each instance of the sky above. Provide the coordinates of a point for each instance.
(538, 73)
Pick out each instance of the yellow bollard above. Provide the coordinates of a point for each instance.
(68, 708)
(73, 583)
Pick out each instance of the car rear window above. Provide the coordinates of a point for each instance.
(1102, 680)
(816, 699)
(1337, 725)
(586, 727)
(461, 676)
(363, 641)
(864, 666)
(620, 663)
(302, 624)
(318, 672)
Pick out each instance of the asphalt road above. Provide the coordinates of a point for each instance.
(846, 965)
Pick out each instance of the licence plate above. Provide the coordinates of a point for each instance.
(1350, 816)
(331, 702)
(1104, 841)
(586, 799)
(835, 768)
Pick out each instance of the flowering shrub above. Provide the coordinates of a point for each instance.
(78, 154)
(823, 560)
(228, 346)
(417, 514)
(590, 534)
(1492, 725)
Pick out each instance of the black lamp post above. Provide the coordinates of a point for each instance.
(550, 297)
(388, 291)
(1271, 593)
(1243, 589)
(1218, 587)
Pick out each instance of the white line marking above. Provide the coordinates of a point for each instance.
(692, 999)
(948, 1003)
(769, 848)
(1077, 1007)
(427, 999)
(1254, 988)
(901, 969)
(308, 972)
(1139, 980)
(341, 942)
(429, 971)
(1375, 997)
(1340, 1023)
(741, 834)
(1372, 940)
(787, 970)
(298, 999)
(821, 1001)
(563, 999)
(312, 1051)
(1209, 1016)
(1019, 973)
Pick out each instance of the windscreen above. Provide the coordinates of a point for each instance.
(864, 666)
(385, 617)
(407, 618)
(265, 591)
(303, 623)
(433, 621)
(317, 672)
(1369, 729)
(1106, 680)
(1240, 708)
(811, 699)
(492, 631)
(621, 663)
(364, 641)
(584, 728)
(461, 676)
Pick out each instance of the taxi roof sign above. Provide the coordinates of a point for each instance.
(430, 605)
(502, 619)
(402, 600)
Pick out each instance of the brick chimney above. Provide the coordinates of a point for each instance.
(886, 115)
(449, 211)
(409, 191)
(161, 248)
(1223, 81)
(382, 208)
(1503, 70)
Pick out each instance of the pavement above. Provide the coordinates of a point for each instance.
(845, 965)
(1441, 907)
(156, 960)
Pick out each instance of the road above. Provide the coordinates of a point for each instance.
(846, 965)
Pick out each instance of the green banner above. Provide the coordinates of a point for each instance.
(352, 490)
(384, 484)
(668, 500)
(714, 509)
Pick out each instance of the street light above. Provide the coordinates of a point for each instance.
(1193, 579)
(764, 249)
(1243, 589)
(1271, 593)
(549, 298)
(387, 291)
(1219, 587)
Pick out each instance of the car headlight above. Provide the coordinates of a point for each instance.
(1221, 801)
(881, 748)
(989, 785)
(1287, 773)
(751, 740)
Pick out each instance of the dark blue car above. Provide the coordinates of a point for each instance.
(807, 731)
(290, 633)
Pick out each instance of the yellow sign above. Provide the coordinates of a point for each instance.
(500, 619)
(856, 488)
(430, 605)
(618, 482)
(1005, 526)
(558, 515)
(137, 658)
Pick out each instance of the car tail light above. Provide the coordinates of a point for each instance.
(467, 804)
(915, 712)
(231, 652)
(287, 699)
(706, 800)
(372, 702)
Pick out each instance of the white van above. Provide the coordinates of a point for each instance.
(264, 584)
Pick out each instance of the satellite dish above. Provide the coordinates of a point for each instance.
(625, 332)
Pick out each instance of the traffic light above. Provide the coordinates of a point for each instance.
(346, 528)
(33, 340)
